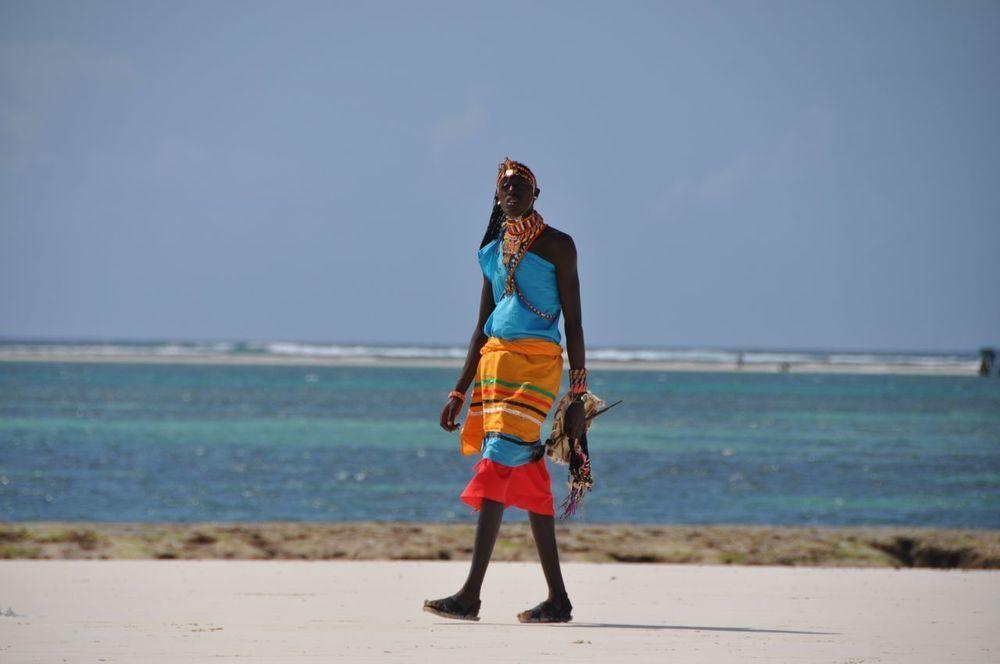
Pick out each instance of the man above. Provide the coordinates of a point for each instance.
(529, 279)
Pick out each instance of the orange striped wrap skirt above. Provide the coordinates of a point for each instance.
(516, 385)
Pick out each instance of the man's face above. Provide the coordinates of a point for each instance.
(516, 195)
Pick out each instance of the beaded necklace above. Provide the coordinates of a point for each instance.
(518, 237)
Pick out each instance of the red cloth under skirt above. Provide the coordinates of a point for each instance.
(528, 486)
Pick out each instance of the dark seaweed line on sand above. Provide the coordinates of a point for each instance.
(741, 545)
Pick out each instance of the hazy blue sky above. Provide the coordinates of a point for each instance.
(747, 174)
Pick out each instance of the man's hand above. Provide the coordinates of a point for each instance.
(449, 413)
(575, 424)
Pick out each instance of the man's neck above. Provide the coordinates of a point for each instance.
(524, 216)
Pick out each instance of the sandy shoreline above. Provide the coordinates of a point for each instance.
(598, 365)
(602, 543)
(285, 611)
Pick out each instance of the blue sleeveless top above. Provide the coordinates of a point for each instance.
(511, 319)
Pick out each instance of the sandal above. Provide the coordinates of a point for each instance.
(549, 611)
(448, 607)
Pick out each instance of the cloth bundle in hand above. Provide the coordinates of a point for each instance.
(575, 453)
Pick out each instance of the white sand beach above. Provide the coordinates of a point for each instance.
(369, 611)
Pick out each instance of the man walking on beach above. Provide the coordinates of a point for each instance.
(529, 280)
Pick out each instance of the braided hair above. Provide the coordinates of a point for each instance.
(495, 226)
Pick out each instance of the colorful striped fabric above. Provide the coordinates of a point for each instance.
(516, 385)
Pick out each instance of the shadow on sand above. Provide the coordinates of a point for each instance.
(695, 627)
(633, 626)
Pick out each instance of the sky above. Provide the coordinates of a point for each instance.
(734, 174)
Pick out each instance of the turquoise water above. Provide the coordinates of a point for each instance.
(183, 443)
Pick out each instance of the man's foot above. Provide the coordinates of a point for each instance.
(557, 609)
(449, 607)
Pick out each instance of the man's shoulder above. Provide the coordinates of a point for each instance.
(557, 247)
(557, 237)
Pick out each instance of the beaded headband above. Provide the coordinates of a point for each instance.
(510, 167)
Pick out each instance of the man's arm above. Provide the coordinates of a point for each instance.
(486, 306)
(454, 405)
(568, 282)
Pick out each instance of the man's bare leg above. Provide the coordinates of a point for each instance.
(543, 529)
(487, 529)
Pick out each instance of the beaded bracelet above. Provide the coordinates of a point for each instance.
(457, 395)
(577, 381)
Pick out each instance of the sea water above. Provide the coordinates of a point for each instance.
(160, 442)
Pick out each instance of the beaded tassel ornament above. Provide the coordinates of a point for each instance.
(574, 453)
